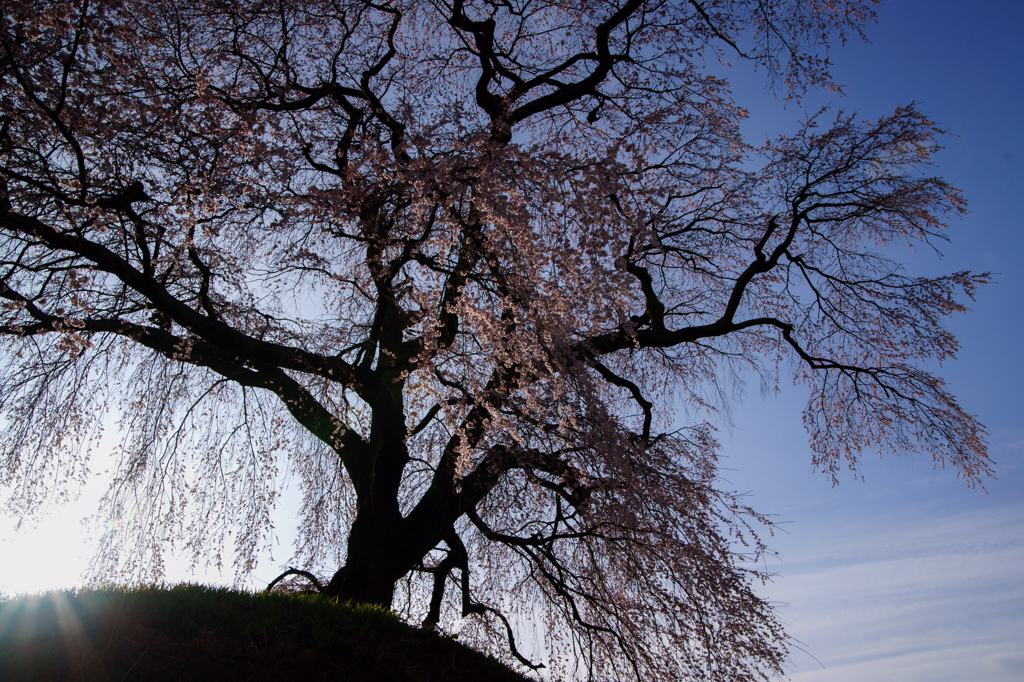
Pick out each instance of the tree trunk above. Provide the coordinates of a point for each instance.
(376, 560)
(373, 564)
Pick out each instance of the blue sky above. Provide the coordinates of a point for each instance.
(908, 575)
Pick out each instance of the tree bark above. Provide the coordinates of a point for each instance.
(376, 557)
(372, 567)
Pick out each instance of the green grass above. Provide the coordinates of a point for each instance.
(192, 632)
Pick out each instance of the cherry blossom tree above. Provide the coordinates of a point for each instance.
(472, 275)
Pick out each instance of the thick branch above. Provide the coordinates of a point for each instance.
(227, 339)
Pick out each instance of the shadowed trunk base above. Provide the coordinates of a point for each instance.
(366, 586)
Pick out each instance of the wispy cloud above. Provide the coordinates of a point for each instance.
(936, 599)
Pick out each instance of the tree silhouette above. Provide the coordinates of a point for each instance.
(453, 266)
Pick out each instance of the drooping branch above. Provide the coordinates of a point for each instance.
(452, 560)
(635, 391)
(294, 571)
(458, 550)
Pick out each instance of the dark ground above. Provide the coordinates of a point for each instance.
(197, 633)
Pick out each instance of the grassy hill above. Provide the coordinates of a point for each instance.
(197, 633)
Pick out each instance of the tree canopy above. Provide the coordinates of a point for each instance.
(471, 273)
